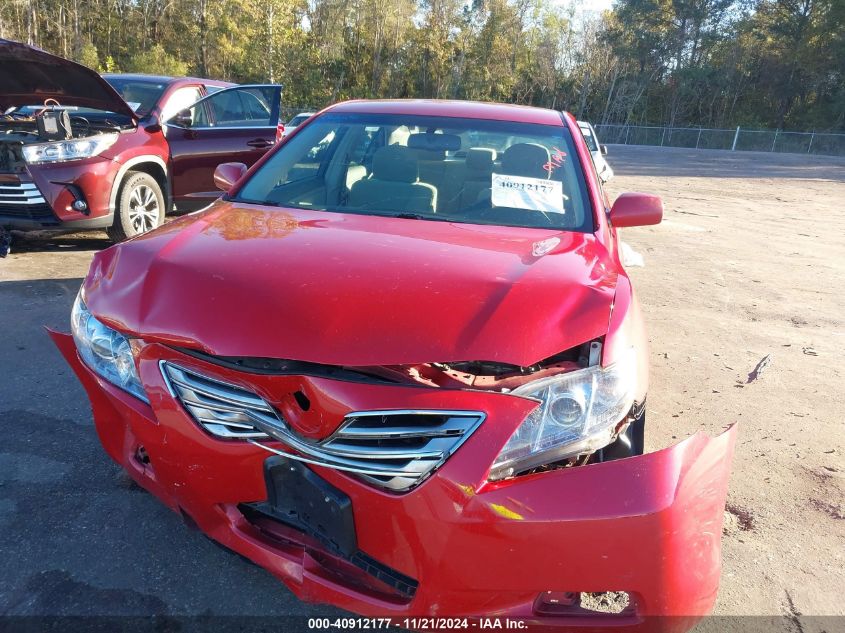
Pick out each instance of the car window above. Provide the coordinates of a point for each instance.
(589, 138)
(247, 106)
(299, 118)
(240, 108)
(438, 168)
(181, 99)
(141, 94)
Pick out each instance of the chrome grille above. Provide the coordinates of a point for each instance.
(394, 449)
(20, 193)
(221, 409)
(24, 199)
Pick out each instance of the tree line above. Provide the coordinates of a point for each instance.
(711, 63)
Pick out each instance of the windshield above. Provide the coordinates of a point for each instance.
(591, 140)
(436, 168)
(140, 94)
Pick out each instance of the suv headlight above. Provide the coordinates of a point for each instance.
(106, 351)
(578, 413)
(72, 149)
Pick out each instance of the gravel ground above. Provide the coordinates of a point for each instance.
(748, 265)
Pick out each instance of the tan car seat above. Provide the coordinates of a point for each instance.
(394, 184)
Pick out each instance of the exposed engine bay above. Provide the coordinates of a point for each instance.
(22, 126)
(482, 375)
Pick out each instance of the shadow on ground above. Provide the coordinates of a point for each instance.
(42, 241)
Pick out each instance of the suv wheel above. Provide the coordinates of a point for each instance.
(140, 207)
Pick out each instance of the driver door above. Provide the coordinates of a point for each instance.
(237, 124)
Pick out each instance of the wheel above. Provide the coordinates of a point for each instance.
(140, 207)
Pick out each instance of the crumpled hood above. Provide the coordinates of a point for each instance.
(242, 280)
(29, 75)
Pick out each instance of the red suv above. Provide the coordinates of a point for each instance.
(81, 151)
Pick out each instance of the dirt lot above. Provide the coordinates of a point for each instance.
(749, 264)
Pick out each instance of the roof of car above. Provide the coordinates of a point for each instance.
(167, 80)
(467, 109)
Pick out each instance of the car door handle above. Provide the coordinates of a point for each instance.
(261, 143)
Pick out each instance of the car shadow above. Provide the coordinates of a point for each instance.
(44, 241)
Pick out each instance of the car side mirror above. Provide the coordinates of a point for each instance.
(636, 209)
(227, 174)
(604, 150)
(183, 118)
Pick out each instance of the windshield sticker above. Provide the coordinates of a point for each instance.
(557, 159)
(532, 194)
(134, 105)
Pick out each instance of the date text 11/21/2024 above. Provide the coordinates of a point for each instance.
(416, 624)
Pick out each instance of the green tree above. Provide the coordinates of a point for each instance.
(88, 56)
(770, 63)
(157, 61)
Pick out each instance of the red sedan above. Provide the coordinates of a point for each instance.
(400, 365)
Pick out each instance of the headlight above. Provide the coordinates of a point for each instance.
(73, 149)
(106, 351)
(578, 414)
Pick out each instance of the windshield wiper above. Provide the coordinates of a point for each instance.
(414, 216)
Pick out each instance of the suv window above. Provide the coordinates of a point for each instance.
(179, 100)
(141, 94)
(239, 108)
(247, 106)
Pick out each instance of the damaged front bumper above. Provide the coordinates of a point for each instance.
(457, 545)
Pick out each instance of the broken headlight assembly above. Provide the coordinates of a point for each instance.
(71, 149)
(578, 413)
(105, 351)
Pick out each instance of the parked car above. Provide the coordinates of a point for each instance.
(401, 372)
(291, 125)
(81, 151)
(597, 151)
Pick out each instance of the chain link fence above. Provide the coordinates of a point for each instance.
(738, 139)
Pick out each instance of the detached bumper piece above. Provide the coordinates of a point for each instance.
(540, 548)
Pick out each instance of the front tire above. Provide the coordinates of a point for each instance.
(140, 207)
